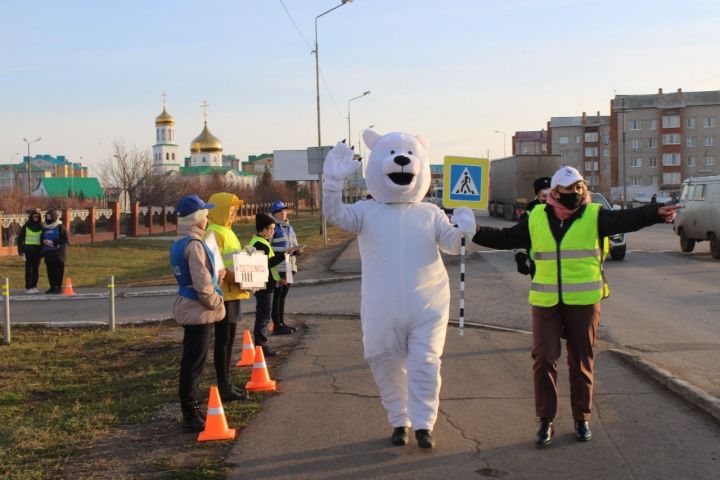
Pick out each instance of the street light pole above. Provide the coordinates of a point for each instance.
(503, 134)
(29, 169)
(624, 159)
(354, 98)
(317, 105)
(349, 137)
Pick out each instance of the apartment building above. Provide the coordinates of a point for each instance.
(530, 143)
(661, 139)
(584, 143)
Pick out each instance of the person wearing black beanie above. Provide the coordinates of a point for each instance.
(262, 220)
(265, 228)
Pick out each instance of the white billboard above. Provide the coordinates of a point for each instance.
(291, 165)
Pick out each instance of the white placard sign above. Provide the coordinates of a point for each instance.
(288, 269)
(251, 271)
(211, 243)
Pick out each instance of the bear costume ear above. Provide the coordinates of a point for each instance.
(423, 141)
(371, 137)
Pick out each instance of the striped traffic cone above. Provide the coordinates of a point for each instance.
(247, 358)
(260, 378)
(216, 427)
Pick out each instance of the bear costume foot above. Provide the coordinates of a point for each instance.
(400, 436)
(424, 439)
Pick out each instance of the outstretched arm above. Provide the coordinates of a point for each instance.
(339, 164)
(611, 222)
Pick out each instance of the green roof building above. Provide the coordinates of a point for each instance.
(87, 187)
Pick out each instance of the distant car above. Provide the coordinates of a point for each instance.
(699, 220)
(617, 242)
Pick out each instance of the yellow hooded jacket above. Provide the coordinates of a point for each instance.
(219, 225)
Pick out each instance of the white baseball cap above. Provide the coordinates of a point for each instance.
(565, 177)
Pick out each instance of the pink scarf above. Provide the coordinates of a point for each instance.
(562, 212)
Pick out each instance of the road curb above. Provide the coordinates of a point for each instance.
(697, 396)
(77, 296)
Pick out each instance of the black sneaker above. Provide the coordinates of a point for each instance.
(193, 419)
(50, 290)
(283, 330)
(424, 438)
(400, 436)
(268, 352)
(230, 394)
(545, 432)
(582, 431)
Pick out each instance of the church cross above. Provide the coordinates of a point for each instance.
(204, 106)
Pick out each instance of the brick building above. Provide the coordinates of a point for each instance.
(661, 139)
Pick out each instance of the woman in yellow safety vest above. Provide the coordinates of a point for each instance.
(565, 237)
(220, 220)
(30, 248)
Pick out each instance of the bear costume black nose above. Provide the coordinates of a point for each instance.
(401, 160)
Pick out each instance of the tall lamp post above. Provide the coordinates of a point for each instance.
(29, 170)
(503, 134)
(354, 98)
(367, 92)
(317, 103)
(624, 159)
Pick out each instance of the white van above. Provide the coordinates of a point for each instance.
(700, 219)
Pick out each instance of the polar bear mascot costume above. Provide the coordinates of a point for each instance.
(405, 289)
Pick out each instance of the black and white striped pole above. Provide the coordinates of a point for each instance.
(461, 323)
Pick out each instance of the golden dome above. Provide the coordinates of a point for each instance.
(205, 142)
(164, 118)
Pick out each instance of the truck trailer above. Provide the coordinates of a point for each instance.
(511, 182)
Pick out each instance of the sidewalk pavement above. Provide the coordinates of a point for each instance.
(327, 422)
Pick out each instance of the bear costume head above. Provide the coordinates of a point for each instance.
(398, 170)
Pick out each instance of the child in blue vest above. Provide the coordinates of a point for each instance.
(199, 303)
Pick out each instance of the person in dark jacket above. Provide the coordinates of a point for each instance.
(542, 189)
(265, 228)
(29, 244)
(283, 242)
(54, 245)
(565, 241)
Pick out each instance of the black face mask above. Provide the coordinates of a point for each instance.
(570, 200)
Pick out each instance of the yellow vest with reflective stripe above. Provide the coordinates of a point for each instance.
(230, 245)
(32, 237)
(257, 239)
(570, 273)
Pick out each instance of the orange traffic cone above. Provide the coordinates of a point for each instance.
(216, 427)
(260, 379)
(68, 292)
(248, 351)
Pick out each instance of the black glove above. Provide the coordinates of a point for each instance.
(521, 258)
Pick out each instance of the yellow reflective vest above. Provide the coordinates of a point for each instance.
(572, 272)
(229, 245)
(32, 237)
(257, 239)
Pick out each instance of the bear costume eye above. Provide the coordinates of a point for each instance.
(409, 152)
(392, 152)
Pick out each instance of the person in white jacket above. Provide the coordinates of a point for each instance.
(405, 289)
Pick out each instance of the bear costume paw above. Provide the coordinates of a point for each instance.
(339, 165)
(464, 218)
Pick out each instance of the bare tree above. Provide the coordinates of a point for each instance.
(126, 169)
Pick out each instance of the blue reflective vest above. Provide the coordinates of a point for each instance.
(51, 234)
(181, 269)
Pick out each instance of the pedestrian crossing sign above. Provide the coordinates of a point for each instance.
(465, 182)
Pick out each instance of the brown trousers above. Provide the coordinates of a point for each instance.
(580, 324)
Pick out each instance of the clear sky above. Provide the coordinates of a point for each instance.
(83, 73)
